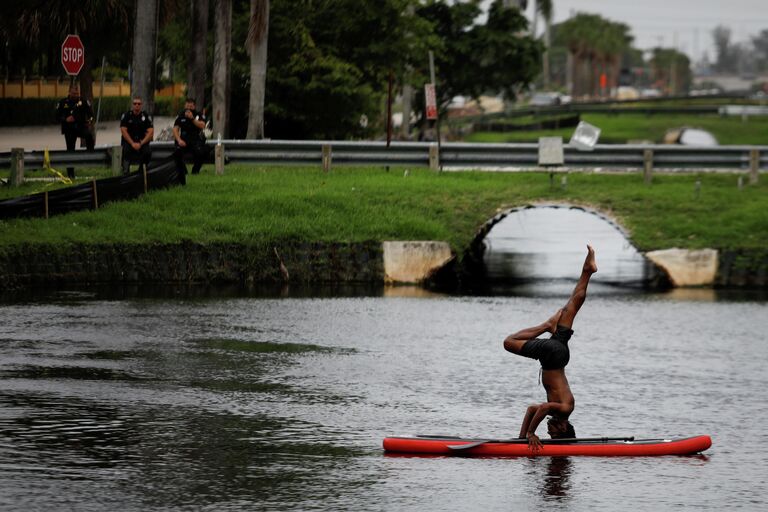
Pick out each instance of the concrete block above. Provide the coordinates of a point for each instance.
(687, 267)
(413, 262)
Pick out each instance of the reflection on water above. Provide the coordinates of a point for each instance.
(550, 244)
(556, 483)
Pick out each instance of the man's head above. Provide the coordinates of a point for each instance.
(136, 104)
(189, 104)
(74, 92)
(560, 428)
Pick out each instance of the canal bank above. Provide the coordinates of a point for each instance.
(430, 264)
(329, 227)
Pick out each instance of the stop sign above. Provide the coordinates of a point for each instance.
(72, 54)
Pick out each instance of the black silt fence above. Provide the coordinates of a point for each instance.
(89, 196)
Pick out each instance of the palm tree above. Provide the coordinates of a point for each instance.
(144, 49)
(197, 53)
(57, 18)
(258, 31)
(545, 8)
(222, 56)
(596, 45)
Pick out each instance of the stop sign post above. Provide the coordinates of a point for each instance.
(72, 54)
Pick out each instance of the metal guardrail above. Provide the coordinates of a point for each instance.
(452, 155)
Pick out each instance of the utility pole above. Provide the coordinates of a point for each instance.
(434, 83)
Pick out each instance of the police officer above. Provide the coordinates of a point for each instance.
(137, 131)
(75, 115)
(187, 132)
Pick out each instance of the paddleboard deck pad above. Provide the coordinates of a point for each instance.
(599, 447)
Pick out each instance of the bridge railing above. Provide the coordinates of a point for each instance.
(452, 155)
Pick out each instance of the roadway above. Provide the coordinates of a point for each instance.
(49, 136)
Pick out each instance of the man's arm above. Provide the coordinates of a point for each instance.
(60, 112)
(148, 136)
(177, 136)
(539, 413)
(126, 136)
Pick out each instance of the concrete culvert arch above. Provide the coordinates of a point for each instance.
(547, 242)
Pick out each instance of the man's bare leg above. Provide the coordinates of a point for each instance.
(515, 342)
(580, 291)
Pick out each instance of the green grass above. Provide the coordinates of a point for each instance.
(255, 204)
(619, 128)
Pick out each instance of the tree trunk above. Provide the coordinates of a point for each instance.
(86, 74)
(257, 47)
(405, 127)
(222, 54)
(545, 56)
(143, 66)
(197, 52)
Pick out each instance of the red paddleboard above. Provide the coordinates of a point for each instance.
(598, 447)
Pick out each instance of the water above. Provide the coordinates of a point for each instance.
(237, 402)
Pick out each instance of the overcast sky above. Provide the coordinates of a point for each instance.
(664, 22)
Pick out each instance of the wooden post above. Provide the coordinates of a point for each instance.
(45, 204)
(219, 159)
(117, 158)
(647, 166)
(95, 194)
(144, 172)
(17, 167)
(754, 165)
(326, 157)
(434, 157)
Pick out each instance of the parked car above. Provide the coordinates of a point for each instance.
(546, 99)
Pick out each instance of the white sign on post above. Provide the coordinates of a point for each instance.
(431, 100)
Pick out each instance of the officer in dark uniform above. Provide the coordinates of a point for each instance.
(187, 132)
(137, 131)
(75, 115)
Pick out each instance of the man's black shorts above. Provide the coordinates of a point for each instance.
(552, 353)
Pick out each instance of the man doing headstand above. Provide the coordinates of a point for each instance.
(553, 354)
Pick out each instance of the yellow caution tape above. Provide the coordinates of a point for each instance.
(47, 167)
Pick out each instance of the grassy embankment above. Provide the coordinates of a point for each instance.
(620, 128)
(255, 204)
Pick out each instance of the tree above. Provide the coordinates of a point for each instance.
(258, 32)
(760, 45)
(545, 8)
(221, 64)
(144, 44)
(478, 59)
(37, 28)
(596, 46)
(196, 65)
(724, 61)
(672, 70)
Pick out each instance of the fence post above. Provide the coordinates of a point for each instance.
(434, 158)
(647, 166)
(117, 158)
(326, 157)
(144, 172)
(754, 165)
(17, 167)
(219, 158)
(95, 194)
